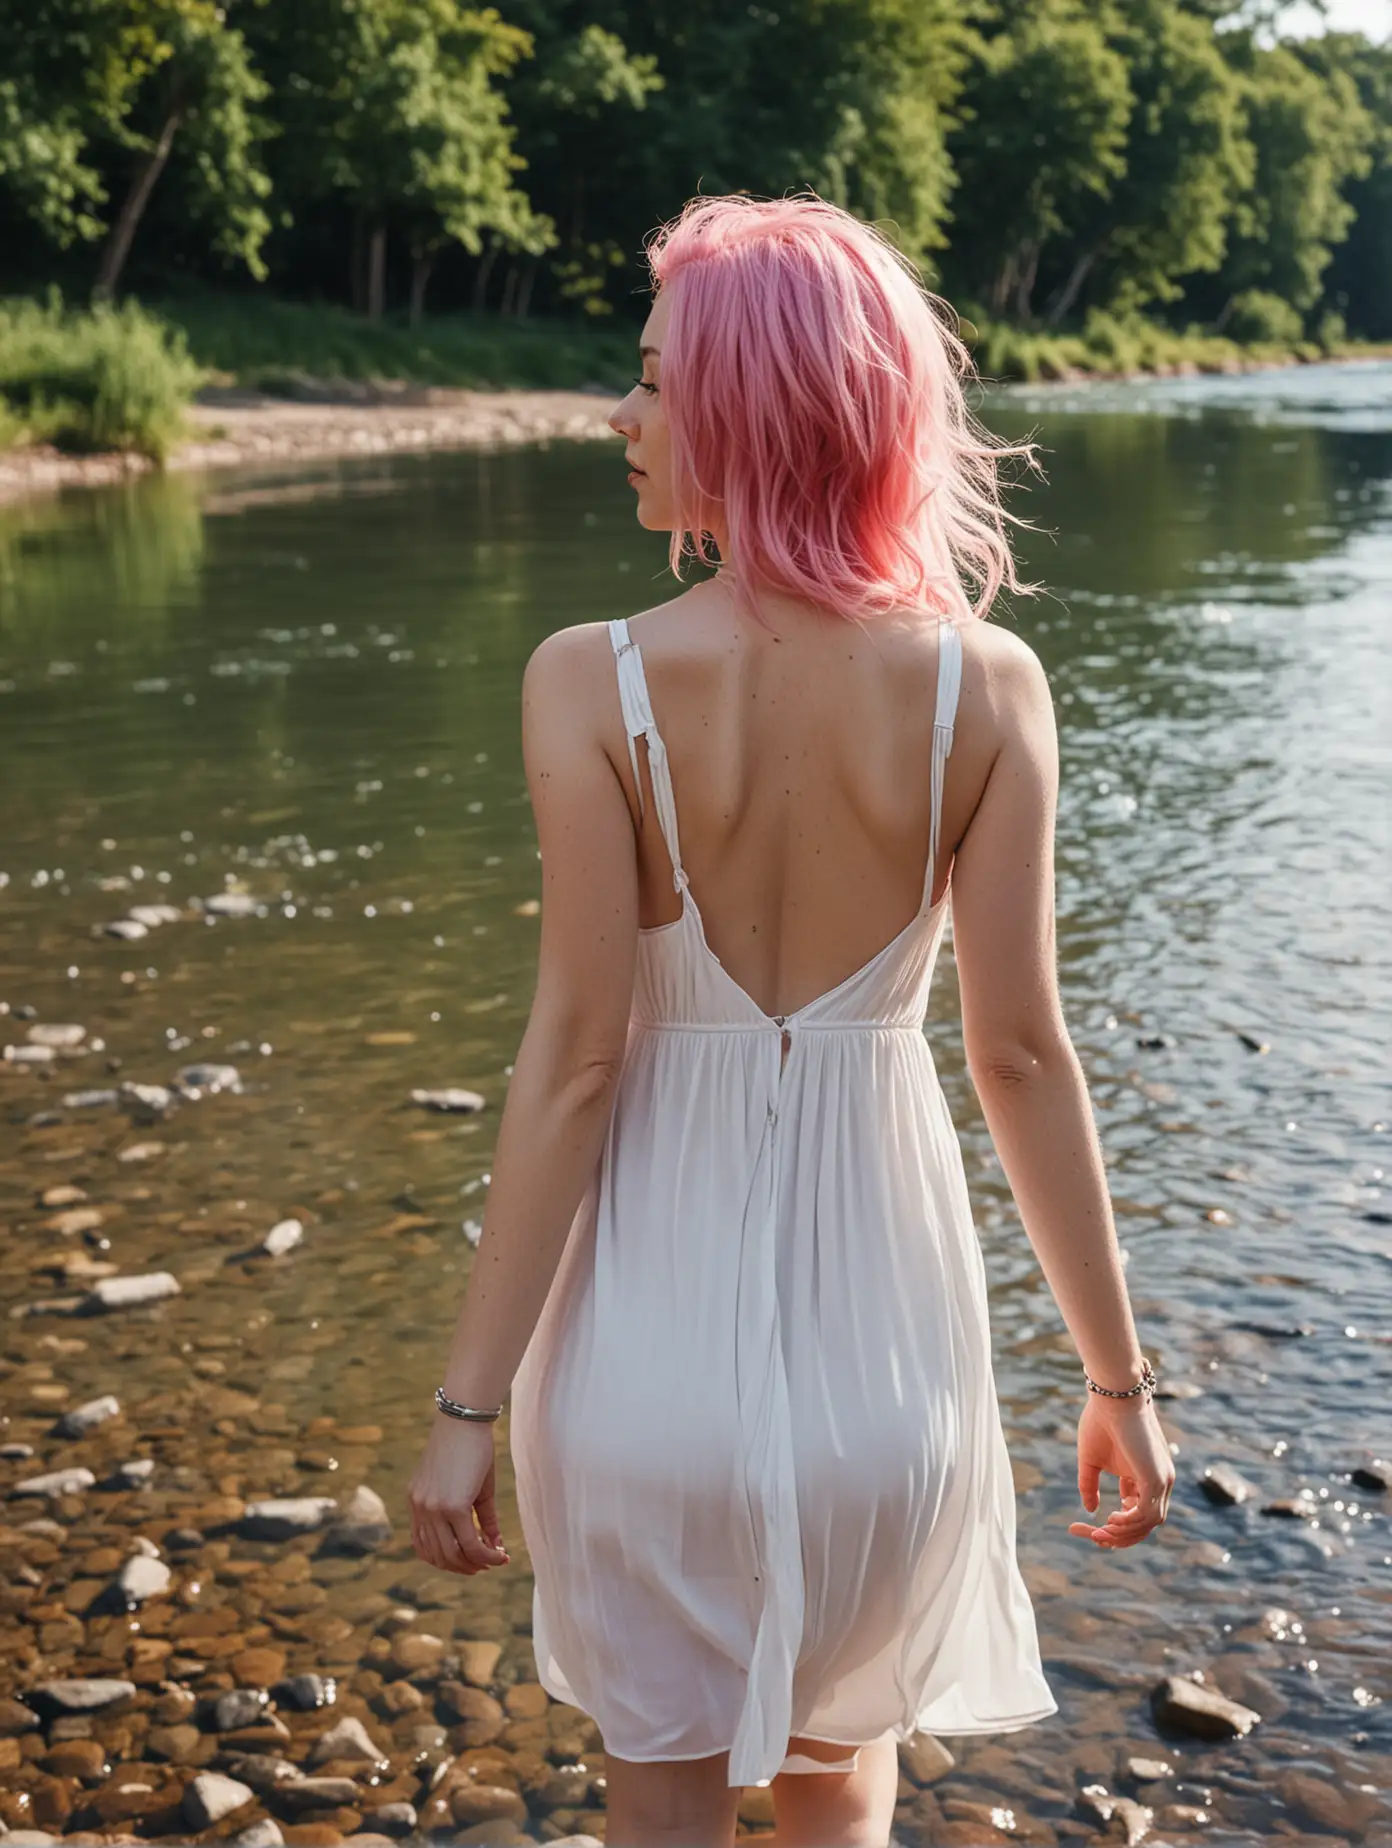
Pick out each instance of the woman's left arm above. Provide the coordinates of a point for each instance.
(561, 1096)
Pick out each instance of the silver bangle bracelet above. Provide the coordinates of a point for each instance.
(1146, 1384)
(453, 1409)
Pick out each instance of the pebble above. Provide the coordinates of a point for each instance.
(85, 1418)
(924, 1759)
(59, 1034)
(85, 1695)
(1148, 1770)
(56, 1482)
(16, 1718)
(414, 1651)
(211, 1796)
(142, 1578)
(1096, 1800)
(29, 1055)
(1375, 1474)
(306, 1692)
(478, 1662)
(140, 1151)
(263, 1834)
(231, 905)
(396, 1818)
(282, 1520)
(264, 1771)
(362, 1523)
(310, 1793)
(129, 930)
(147, 1099)
(74, 1220)
(282, 1237)
(1226, 1486)
(135, 1473)
(1298, 1507)
(452, 1098)
(238, 1708)
(16, 1453)
(130, 1292)
(349, 1739)
(152, 916)
(1201, 1711)
(194, 1080)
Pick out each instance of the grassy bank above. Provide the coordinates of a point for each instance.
(120, 379)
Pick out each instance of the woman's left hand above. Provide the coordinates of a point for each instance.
(454, 1482)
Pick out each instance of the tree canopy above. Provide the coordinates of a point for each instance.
(1041, 159)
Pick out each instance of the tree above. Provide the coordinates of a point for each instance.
(393, 107)
(1311, 136)
(1358, 281)
(1044, 115)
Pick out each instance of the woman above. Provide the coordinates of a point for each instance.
(728, 1265)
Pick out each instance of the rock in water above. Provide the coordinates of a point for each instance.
(211, 1796)
(362, 1525)
(129, 930)
(141, 1578)
(130, 1292)
(152, 916)
(85, 1418)
(282, 1520)
(194, 1080)
(231, 905)
(263, 1834)
(1201, 1711)
(149, 1100)
(306, 1692)
(238, 1708)
(84, 1695)
(1225, 1486)
(59, 1035)
(57, 1482)
(450, 1099)
(282, 1238)
(349, 1739)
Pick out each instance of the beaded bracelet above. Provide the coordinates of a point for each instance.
(1146, 1384)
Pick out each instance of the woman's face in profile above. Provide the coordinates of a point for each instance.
(641, 421)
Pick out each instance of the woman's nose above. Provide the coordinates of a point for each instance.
(621, 420)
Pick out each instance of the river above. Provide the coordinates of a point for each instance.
(301, 687)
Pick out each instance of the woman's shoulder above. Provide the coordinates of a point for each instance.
(1003, 679)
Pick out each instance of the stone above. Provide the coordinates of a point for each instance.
(396, 1818)
(398, 1699)
(282, 1237)
(310, 1793)
(16, 1453)
(134, 1474)
(924, 1759)
(194, 1080)
(60, 1035)
(84, 1759)
(1375, 1474)
(362, 1524)
(470, 1803)
(1148, 1770)
(451, 1099)
(258, 1667)
(263, 1834)
(414, 1651)
(478, 1662)
(84, 1418)
(1225, 1486)
(1318, 1804)
(528, 1700)
(56, 1482)
(146, 1100)
(83, 1695)
(140, 1151)
(29, 1055)
(89, 1100)
(1199, 1710)
(1135, 1818)
(306, 1692)
(481, 1718)
(129, 1292)
(231, 905)
(211, 1796)
(176, 1744)
(1302, 1506)
(264, 1771)
(283, 1520)
(129, 930)
(349, 1739)
(16, 1718)
(142, 1578)
(568, 1786)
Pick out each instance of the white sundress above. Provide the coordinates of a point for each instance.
(760, 1465)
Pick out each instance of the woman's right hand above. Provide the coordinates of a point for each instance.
(1123, 1439)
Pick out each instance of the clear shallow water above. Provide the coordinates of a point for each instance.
(305, 684)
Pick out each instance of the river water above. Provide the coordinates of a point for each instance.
(302, 686)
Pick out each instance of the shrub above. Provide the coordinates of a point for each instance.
(100, 378)
(1259, 315)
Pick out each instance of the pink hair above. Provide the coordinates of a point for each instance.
(813, 391)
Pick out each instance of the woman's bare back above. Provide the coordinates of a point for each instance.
(800, 763)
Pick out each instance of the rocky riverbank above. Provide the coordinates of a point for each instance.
(230, 428)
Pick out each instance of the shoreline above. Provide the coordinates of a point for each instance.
(232, 427)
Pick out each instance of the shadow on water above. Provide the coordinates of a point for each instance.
(302, 686)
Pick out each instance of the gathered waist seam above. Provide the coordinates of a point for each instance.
(767, 1026)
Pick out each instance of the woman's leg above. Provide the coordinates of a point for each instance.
(669, 1805)
(837, 1809)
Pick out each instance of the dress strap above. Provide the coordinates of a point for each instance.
(944, 719)
(639, 721)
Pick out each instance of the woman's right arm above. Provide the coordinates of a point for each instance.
(1031, 1085)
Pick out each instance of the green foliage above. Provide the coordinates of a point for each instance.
(279, 346)
(1257, 314)
(104, 378)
